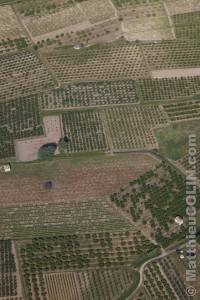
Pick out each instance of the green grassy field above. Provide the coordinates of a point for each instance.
(173, 140)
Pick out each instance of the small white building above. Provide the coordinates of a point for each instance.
(179, 220)
(182, 256)
(77, 47)
(7, 168)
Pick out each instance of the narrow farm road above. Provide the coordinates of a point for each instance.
(146, 263)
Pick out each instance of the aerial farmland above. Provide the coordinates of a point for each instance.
(99, 149)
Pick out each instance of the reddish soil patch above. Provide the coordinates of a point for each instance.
(71, 183)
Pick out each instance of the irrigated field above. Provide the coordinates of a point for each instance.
(109, 62)
(91, 94)
(22, 74)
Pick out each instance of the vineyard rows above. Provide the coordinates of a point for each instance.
(18, 119)
(22, 222)
(43, 19)
(88, 285)
(131, 127)
(183, 110)
(187, 25)
(22, 74)
(172, 54)
(134, 3)
(12, 36)
(75, 252)
(8, 279)
(109, 62)
(91, 94)
(169, 88)
(164, 282)
(84, 130)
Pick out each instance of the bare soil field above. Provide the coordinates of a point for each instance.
(27, 149)
(168, 73)
(182, 6)
(76, 178)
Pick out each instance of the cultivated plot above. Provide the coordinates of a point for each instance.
(27, 149)
(187, 25)
(153, 201)
(21, 74)
(149, 22)
(131, 127)
(123, 61)
(172, 54)
(162, 89)
(19, 119)
(91, 94)
(12, 36)
(84, 131)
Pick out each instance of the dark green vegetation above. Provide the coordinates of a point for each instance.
(156, 198)
(187, 25)
(125, 3)
(8, 279)
(173, 140)
(90, 94)
(74, 252)
(47, 151)
(19, 118)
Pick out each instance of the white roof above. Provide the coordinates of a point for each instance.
(179, 220)
(7, 168)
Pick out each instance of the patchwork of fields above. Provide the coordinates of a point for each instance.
(113, 86)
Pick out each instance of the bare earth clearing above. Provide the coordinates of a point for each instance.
(168, 73)
(88, 180)
(27, 149)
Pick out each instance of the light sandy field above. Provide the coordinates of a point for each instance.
(168, 73)
(149, 22)
(27, 149)
(146, 30)
(9, 25)
(182, 6)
